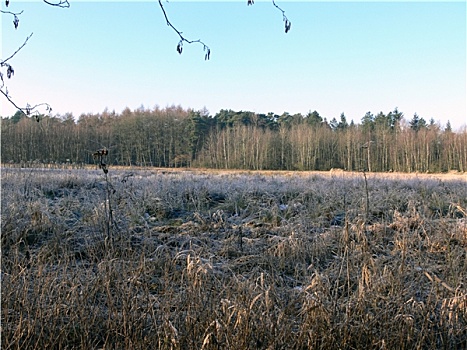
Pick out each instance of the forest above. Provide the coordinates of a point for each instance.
(178, 137)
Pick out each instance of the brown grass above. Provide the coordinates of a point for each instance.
(203, 260)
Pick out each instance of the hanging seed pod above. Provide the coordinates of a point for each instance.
(16, 22)
(288, 24)
(10, 71)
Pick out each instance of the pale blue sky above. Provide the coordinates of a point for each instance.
(349, 57)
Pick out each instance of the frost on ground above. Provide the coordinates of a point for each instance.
(232, 260)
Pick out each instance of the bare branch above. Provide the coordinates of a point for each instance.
(10, 72)
(15, 17)
(288, 24)
(28, 110)
(60, 3)
(182, 38)
(11, 13)
(10, 100)
(3, 63)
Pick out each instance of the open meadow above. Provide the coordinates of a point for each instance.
(160, 259)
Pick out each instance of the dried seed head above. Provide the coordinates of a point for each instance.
(10, 71)
(288, 24)
(16, 22)
(207, 56)
(180, 47)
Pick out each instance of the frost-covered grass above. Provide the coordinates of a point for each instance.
(232, 260)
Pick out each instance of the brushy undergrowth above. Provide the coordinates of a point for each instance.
(232, 261)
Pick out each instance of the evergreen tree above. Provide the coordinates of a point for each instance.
(417, 123)
(394, 118)
(313, 118)
(333, 124)
(382, 121)
(198, 129)
(342, 125)
(368, 122)
(448, 127)
(17, 116)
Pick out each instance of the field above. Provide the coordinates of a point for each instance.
(158, 259)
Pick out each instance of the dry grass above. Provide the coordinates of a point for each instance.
(204, 260)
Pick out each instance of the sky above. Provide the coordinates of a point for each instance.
(339, 57)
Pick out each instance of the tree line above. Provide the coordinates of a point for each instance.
(177, 137)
